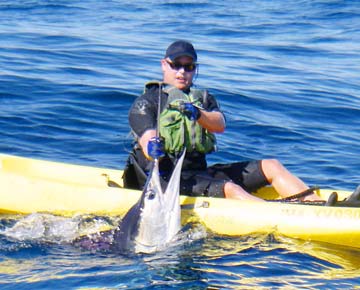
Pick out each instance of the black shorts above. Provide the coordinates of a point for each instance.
(209, 182)
(248, 175)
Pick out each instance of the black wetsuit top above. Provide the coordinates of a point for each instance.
(143, 116)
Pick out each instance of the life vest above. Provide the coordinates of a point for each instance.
(177, 130)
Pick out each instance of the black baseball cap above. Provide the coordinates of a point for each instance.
(181, 48)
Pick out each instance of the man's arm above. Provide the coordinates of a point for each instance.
(213, 121)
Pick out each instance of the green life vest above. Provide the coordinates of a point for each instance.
(177, 130)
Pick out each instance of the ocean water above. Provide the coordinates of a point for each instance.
(286, 74)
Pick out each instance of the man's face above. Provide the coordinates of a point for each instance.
(179, 73)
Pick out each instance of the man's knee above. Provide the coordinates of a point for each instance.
(271, 168)
(271, 163)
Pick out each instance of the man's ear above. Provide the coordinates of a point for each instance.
(163, 64)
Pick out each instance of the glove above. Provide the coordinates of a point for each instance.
(155, 148)
(190, 111)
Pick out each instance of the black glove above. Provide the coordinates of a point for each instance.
(190, 111)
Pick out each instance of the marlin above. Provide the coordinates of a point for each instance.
(155, 219)
(150, 224)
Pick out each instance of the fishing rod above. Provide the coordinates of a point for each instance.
(159, 110)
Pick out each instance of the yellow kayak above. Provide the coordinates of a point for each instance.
(31, 185)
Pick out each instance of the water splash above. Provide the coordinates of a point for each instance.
(47, 228)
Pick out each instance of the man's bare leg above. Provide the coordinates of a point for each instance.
(285, 183)
(233, 190)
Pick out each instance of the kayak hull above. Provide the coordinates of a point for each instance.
(29, 185)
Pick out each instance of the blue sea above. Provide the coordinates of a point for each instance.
(286, 74)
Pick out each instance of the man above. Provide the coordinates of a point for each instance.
(188, 118)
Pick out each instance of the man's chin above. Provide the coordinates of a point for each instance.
(181, 86)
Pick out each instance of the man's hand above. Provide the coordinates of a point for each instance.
(190, 111)
(155, 148)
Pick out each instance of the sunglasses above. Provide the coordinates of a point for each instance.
(187, 67)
